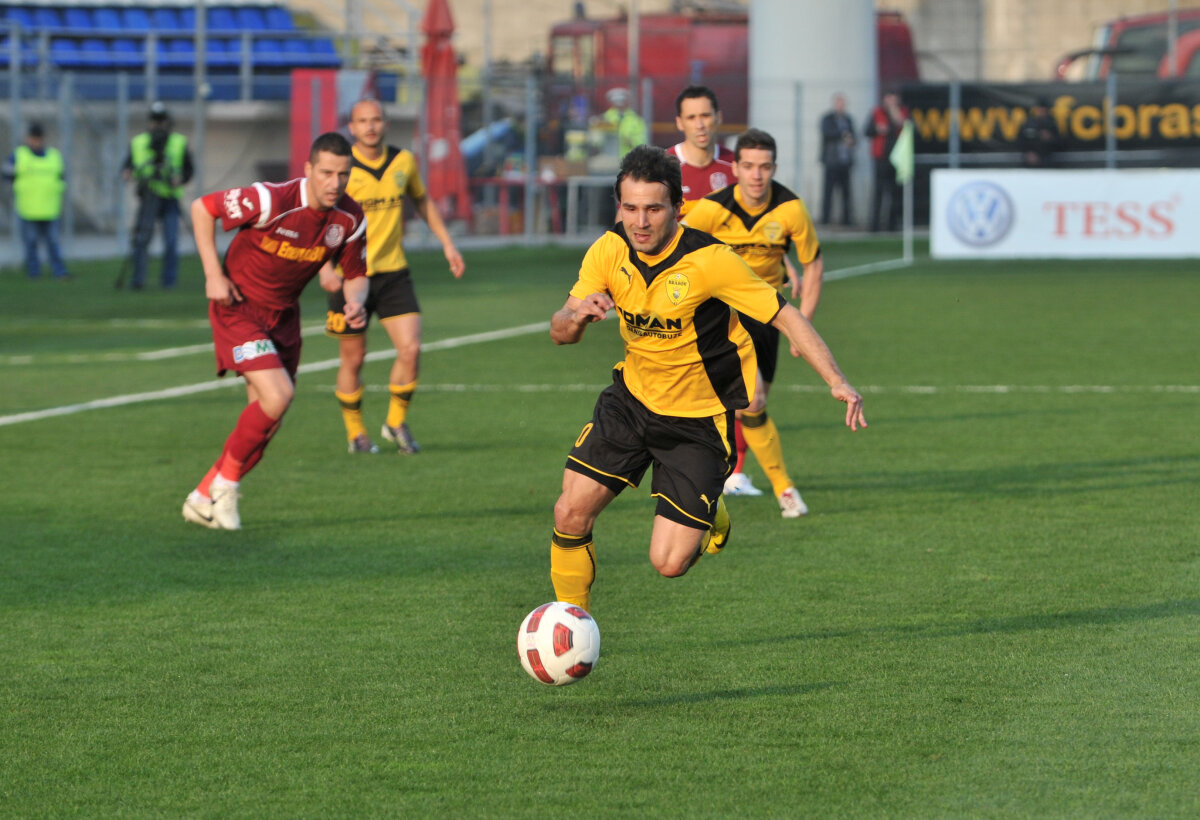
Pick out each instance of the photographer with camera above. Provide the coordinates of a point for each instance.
(160, 164)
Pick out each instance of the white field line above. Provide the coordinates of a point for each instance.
(215, 384)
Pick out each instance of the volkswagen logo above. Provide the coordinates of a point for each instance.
(980, 214)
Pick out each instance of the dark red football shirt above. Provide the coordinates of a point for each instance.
(699, 182)
(281, 242)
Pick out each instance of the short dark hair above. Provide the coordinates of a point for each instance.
(649, 163)
(754, 138)
(36, 131)
(331, 142)
(693, 92)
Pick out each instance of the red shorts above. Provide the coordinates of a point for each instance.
(247, 337)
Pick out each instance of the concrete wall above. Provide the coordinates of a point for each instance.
(801, 54)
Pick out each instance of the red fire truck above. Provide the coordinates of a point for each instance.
(589, 56)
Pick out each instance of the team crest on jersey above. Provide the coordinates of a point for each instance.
(677, 287)
(717, 180)
(401, 179)
(334, 235)
(773, 231)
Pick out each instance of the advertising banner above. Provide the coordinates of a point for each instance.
(997, 213)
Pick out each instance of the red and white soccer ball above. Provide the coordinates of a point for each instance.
(559, 643)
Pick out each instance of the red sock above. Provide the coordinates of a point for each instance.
(739, 442)
(245, 445)
(206, 483)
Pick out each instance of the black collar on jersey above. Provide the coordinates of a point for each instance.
(692, 240)
(725, 198)
(391, 154)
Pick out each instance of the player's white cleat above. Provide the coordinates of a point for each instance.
(199, 510)
(401, 437)
(225, 508)
(791, 505)
(740, 484)
(363, 444)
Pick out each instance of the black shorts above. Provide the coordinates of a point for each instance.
(390, 294)
(691, 456)
(766, 345)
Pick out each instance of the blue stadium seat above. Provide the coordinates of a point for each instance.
(46, 18)
(221, 20)
(135, 20)
(268, 52)
(126, 53)
(106, 19)
(176, 52)
(250, 18)
(224, 52)
(296, 53)
(77, 17)
(278, 19)
(64, 52)
(187, 18)
(323, 54)
(93, 53)
(21, 16)
(165, 19)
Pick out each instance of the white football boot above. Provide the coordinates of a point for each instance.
(740, 484)
(791, 505)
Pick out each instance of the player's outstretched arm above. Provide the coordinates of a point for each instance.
(806, 342)
(569, 323)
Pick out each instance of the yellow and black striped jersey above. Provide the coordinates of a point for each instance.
(380, 187)
(761, 237)
(686, 352)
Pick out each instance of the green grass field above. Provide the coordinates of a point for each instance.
(992, 610)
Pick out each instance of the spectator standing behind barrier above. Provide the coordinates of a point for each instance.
(631, 129)
(837, 155)
(36, 173)
(1039, 137)
(883, 129)
(160, 164)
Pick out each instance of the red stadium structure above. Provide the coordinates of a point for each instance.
(446, 175)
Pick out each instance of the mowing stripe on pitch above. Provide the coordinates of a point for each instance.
(215, 384)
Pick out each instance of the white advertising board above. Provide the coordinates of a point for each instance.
(1064, 214)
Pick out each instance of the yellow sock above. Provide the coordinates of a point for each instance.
(763, 439)
(398, 407)
(352, 412)
(573, 568)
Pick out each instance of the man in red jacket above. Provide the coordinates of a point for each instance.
(883, 129)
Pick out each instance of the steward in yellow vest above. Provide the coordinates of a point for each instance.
(36, 172)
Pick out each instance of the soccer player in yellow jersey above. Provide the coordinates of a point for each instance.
(760, 219)
(689, 364)
(381, 178)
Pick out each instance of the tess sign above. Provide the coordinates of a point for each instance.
(1068, 214)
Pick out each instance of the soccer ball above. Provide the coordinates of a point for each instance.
(558, 643)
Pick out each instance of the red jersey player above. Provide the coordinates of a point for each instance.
(286, 232)
(706, 165)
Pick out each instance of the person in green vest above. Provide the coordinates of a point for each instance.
(36, 173)
(160, 164)
(631, 128)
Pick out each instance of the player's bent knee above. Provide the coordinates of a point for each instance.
(569, 517)
(671, 568)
